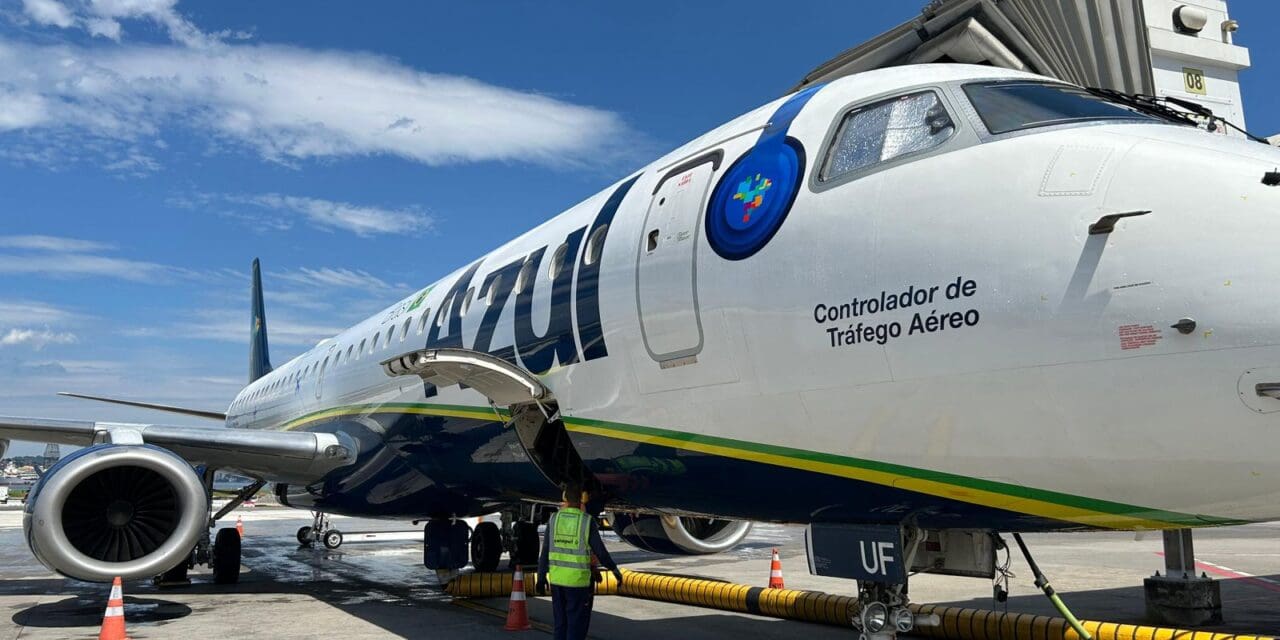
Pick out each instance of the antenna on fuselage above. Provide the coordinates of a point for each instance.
(259, 357)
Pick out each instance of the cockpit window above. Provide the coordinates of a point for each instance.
(886, 130)
(1012, 106)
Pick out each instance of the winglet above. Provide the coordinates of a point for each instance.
(259, 357)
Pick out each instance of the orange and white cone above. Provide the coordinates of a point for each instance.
(775, 572)
(240, 525)
(517, 609)
(113, 619)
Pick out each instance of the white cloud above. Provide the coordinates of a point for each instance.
(48, 12)
(59, 257)
(161, 12)
(361, 220)
(81, 265)
(283, 329)
(104, 27)
(333, 278)
(15, 312)
(51, 243)
(287, 104)
(36, 338)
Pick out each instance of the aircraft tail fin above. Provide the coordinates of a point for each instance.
(259, 358)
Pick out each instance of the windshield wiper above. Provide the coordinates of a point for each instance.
(1159, 106)
(1144, 104)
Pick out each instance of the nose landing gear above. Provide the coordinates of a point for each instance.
(321, 531)
(883, 612)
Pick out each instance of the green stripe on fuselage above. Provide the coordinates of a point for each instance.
(1080, 510)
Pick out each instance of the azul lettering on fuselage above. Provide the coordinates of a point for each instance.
(575, 285)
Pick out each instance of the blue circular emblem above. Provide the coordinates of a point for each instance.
(752, 199)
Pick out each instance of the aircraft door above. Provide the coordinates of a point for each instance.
(666, 275)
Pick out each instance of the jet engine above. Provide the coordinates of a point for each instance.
(132, 511)
(679, 535)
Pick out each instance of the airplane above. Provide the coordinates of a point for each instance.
(922, 302)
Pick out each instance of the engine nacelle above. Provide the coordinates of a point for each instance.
(132, 511)
(676, 535)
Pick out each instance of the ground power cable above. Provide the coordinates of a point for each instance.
(1043, 584)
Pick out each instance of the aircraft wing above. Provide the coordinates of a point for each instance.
(285, 456)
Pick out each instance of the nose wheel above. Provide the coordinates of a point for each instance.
(883, 613)
(321, 531)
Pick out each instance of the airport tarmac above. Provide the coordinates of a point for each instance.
(381, 590)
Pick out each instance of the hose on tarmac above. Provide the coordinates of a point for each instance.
(813, 606)
(1043, 584)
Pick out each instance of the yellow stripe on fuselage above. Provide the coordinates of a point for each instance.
(422, 410)
(981, 497)
(930, 487)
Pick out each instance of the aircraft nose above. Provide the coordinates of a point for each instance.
(1206, 249)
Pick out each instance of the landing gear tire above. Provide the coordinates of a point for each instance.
(332, 539)
(176, 576)
(304, 536)
(486, 546)
(524, 550)
(226, 557)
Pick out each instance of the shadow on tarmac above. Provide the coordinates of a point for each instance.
(85, 611)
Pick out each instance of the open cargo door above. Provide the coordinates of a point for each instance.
(503, 383)
(532, 409)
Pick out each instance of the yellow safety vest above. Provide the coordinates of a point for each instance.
(569, 557)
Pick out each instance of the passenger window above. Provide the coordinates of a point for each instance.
(526, 275)
(422, 322)
(391, 333)
(466, 300)
(374, 347)
(493, 290)
(362, 343)
(886, 130)
(443, 314)
(557, 260)
(595, 244)
(404, 331)
(350, 348)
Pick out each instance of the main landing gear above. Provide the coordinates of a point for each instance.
(450, 543)
(221, 553)
(321, 531)
(517, 536)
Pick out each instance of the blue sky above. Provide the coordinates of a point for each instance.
(149, 150)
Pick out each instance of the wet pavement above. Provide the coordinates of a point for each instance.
(381, 590)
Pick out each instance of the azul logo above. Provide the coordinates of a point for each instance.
(754, 196)
(750, 196)
(575, 289)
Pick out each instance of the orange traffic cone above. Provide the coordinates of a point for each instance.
(240, 525)
(518, 609)
(113, 619)
(775, 572)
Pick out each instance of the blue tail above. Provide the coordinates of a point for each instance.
(259, 357)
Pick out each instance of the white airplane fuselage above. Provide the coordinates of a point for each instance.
(938, 336)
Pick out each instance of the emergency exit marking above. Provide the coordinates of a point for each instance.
(1193, 81)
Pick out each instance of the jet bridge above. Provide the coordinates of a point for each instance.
(1155, 47)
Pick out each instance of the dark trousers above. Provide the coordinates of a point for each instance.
(571, 608)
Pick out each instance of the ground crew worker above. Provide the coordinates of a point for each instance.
(565, 563)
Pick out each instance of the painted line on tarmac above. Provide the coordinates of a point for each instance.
(1228, 572)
